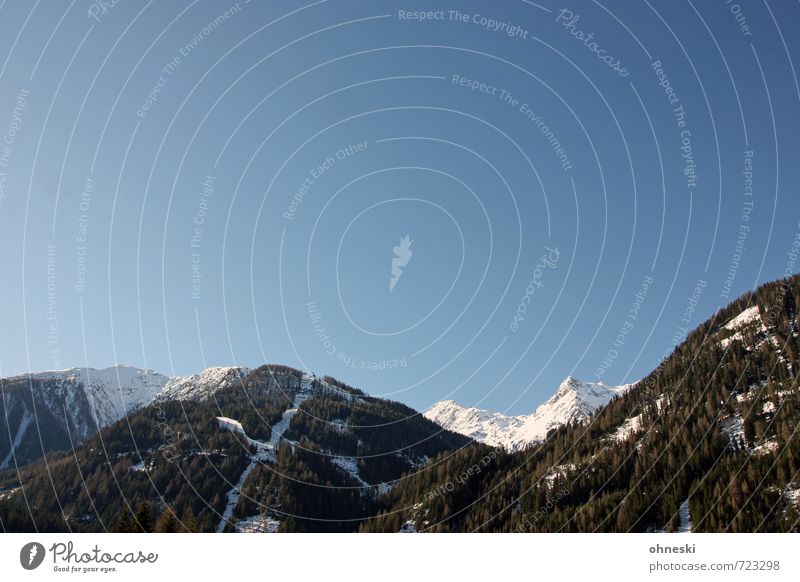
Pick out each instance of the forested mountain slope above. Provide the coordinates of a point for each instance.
(713, 429)
(280, 450)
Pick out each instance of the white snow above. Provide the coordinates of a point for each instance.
(765, 448)
(574, 401)
(203, 385)
(139, 467)
(22, 428)
(113, 392)
(339, 425)
(629, 427)
(226, 423)
(734, 428)
(384, 488)
(559, 471)
(793, 495)
(749, 316)
(686, 518)
(264, 451)
(350, 466)
(119, 390)
(257, 524)
(233, 494)
(8, 493)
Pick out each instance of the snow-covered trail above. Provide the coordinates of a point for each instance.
(686, 519)
(27, 419)
(265, 451)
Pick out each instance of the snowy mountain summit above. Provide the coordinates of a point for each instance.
(61, 408)
(203, 385)
(574, 401)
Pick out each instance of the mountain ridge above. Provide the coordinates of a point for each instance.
(573, 401)
(706, 442)
(72, 404)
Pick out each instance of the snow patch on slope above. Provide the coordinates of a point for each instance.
(733, 427)
(265, 451)
(749, 316)
(257, 524)
(685, 525)
(26, 421)
(629, 427)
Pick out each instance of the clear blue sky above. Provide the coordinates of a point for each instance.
(184, 187)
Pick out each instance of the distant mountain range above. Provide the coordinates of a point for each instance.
(574, 401)
(74, 404)
(237, 450)
(71, 405)
(708, 441)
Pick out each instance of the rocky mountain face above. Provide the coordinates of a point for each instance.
(58, 410)
(573, 401)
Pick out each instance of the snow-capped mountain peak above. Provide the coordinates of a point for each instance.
(574, 401)
(202, 385)
(110, 392)
(493, 428)
(73, 404)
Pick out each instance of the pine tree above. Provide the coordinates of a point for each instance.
(168, 523)
(144, 517)
(125, 522)
(189, 521)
